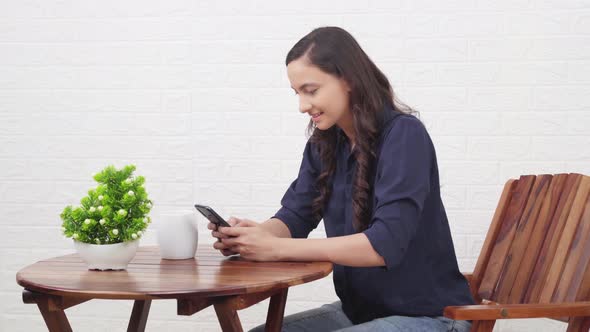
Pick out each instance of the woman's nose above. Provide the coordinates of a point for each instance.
(304, 106)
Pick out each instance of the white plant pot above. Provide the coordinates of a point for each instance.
(107, 256)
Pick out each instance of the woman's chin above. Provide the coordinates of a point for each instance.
(324, 126)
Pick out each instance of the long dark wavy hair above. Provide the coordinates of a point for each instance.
(336, 52)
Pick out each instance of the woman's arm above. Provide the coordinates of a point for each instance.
(276, 227)
(349, 250)
(254, 242)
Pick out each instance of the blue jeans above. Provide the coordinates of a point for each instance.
(330, 317)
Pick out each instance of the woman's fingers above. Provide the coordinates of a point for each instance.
(228, 252)
(225, 249)
(248, 223)
(220, 245)
(219, 235)
(233, 220)
(227, 244)
(231, 241)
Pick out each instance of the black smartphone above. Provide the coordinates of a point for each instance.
(210, 214)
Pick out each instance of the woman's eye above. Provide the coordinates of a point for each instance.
(312, 92)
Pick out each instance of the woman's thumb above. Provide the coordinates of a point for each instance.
(233, 221)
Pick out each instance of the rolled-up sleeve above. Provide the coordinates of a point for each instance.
(296, 210)
(401, 188)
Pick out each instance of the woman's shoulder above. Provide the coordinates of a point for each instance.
(402, 126)
(405, 135)
(406, 142)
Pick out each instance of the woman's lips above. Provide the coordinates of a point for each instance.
(316, 117)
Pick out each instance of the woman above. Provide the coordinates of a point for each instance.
(369, 170)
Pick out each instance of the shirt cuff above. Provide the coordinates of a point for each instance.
(295, 224)
(384, 244)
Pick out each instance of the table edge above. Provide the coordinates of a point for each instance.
(224, 291)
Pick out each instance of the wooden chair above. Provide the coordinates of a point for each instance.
(534, 261)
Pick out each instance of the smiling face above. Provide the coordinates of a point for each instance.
(324, 97)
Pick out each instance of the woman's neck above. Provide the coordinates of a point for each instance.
(347, 126)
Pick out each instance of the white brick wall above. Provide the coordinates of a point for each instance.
(196, 94)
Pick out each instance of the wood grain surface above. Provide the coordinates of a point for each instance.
(148, 276)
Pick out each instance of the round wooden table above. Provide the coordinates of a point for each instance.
(227, 283)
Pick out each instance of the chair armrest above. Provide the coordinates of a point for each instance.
(507, 311)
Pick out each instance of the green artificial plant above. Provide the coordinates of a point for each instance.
(115, 211)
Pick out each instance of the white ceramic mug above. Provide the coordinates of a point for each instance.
(178, 235)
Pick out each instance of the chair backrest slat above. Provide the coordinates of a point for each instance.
(578, 227)
(524, 230)
(505, 235)
(486, 251)
(565, 241)
(578, 266)
(525, 278)
(583, 292)
(549, 246)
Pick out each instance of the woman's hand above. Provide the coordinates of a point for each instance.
(250, 240)
(225, 250)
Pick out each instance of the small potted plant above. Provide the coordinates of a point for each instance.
(109, 222)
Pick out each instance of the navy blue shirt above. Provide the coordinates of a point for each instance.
(409, 226)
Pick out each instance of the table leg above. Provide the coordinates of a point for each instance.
(139, 315)
(55, 320)
(53, 313)
(228, 316)
(276, 311)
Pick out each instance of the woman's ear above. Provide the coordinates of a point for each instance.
(345, 85)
